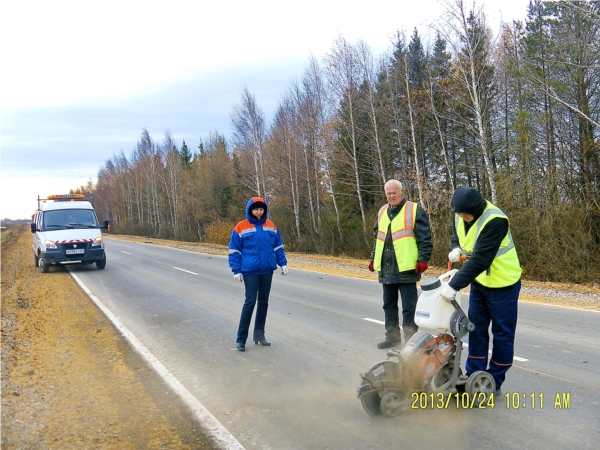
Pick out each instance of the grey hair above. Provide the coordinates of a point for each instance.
(393, 181)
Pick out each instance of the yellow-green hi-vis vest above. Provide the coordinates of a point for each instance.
(505, 269)
(403, 237)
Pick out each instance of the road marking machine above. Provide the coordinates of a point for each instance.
(427, 362)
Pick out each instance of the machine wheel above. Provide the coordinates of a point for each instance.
(42, 265)
(389, 404)
(478, 382)
(101, 264)
(443, 375)
(382, 377)
(370, 403)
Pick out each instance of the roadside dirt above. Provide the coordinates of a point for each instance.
(70, 381)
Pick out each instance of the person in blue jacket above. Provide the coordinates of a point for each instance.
(255, 250)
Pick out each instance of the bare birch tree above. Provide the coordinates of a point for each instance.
(469, 39)
(369, 76)
(412, 127)
(314, 85)
(437, 74)
(249, 135)
(172, 175)
(283, 137)
(345, 77)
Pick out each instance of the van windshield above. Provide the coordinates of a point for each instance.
(64, 219)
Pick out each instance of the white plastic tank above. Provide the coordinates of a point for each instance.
(432, 311)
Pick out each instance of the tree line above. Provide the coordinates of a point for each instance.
(515, 116)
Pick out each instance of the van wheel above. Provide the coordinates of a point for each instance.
(35, 260)
(42, 265)
(101, 264)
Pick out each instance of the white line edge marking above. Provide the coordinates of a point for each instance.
(218, 432)
(127, 253)
(347, 276)
(183, 270)
(374, 321)
(516, 358)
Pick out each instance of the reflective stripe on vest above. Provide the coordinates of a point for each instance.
(505, 269)
(403, 236)
(482, 221)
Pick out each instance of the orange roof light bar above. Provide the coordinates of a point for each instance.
(60, 197)
(65, 196)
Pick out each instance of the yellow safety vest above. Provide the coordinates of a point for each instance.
(403, 237)
(505, 269)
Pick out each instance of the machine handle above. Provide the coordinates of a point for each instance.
(462, 258)
(446, 277)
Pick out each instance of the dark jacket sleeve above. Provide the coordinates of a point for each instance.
(454, 240)
(485, 250)
(423, 235)
(375, 229)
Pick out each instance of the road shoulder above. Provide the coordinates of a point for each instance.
(69, 379)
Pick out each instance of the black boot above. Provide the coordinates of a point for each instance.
(393, 336)
(262, 341)
(408, 332)
(388, 343)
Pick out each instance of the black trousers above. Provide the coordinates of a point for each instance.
(258, 288)
(391, 294)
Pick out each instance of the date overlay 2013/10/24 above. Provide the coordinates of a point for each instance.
(483, 400)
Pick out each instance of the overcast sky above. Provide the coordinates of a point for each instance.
(80, 80)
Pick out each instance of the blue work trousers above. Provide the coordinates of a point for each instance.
(498, 306)
(258, 288)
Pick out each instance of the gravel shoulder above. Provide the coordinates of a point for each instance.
(70, 381)
(585, 296)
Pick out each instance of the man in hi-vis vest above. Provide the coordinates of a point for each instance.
(402, 249)
(482, 233)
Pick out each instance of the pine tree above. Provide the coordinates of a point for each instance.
(186, 156)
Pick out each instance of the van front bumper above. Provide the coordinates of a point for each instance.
(60, 256)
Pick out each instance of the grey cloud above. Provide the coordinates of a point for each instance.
(81, 137)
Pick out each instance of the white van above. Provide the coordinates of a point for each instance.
(66, 231)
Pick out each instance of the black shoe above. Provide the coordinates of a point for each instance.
(241, 347)
(387, 344)
(262, 341)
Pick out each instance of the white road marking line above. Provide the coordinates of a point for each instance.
(218, 431)
(186, 271)
(127, 253)
(374, 321)
(516, 358)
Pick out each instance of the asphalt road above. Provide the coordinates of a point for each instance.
(300, 393)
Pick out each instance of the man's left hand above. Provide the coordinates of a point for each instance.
(449, 294)
(421, 267)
